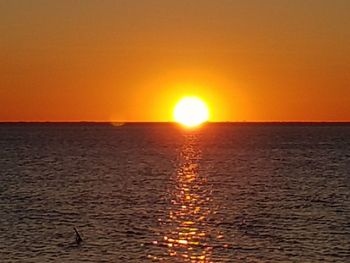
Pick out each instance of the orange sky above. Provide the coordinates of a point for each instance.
(126, 60)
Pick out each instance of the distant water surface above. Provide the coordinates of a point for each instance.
(160, 193)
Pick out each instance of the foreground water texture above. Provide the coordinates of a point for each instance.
(160, 193)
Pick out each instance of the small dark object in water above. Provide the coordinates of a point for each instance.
(78, 238)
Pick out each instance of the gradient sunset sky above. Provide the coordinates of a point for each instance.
(132, 60)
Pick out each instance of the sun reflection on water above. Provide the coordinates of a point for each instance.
(186, 232)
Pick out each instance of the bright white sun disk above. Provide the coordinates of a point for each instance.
(191, 112)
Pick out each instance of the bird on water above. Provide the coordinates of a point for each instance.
(78, 238)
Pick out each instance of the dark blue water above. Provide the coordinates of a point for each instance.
(152, 192)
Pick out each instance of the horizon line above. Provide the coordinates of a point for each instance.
(173, 122)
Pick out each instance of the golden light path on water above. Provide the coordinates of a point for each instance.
(186, 233)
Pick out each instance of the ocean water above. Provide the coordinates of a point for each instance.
(161, 193)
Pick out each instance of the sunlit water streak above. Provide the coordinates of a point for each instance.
(187, 233)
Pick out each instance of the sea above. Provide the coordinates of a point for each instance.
(158, 192)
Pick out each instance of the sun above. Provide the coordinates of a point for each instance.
(191, 111)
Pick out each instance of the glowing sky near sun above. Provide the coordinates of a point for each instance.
(121, 60)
